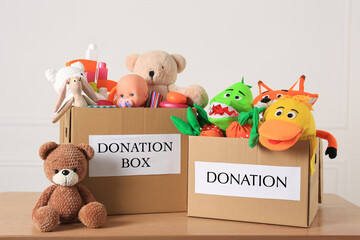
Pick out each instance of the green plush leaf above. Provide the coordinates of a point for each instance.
(254, 133)
(202, 115)
(182, 126)
(192, 121)
(244, 118)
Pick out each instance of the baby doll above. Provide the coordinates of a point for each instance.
(131, 91)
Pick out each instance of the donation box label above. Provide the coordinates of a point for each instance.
(247, 180)
(126, 155)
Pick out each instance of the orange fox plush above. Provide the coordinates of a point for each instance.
(267, 96)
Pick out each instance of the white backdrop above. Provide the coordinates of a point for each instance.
(274, 41)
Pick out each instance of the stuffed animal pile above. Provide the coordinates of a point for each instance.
(276, 118)
(83, 83)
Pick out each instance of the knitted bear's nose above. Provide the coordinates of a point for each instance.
(65, 172)
(151, 73)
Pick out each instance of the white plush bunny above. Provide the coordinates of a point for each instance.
(70, 82)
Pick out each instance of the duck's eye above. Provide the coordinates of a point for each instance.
(279, 112)
(75, 170)
(132, 94)
(56, 171)
(238, 98)
(291, 115)
(279, 95)
(227, 95)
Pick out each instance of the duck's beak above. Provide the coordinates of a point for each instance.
(279, 135)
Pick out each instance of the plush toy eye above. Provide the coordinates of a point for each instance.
(227, 95)
(279, 95)
(279, 112)
(75, 170)
(132, 94)
(238, 98)
(81, 74)
(74, 80)
(122, 95)
(291, 115)
(266, 96)
(56, 171)
(162, 67)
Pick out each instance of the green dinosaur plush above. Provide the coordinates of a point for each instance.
(227, 105)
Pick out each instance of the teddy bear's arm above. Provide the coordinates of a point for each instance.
(44, 198)
(85, 194)
(194, 93)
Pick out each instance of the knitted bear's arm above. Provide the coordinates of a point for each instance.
(44, 198)
(85, 194)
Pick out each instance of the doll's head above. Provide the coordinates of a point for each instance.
(131, 91)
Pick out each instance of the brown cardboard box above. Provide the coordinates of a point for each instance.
(271, 187)
(136, 192)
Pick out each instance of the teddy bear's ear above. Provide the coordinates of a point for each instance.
(131, 60)
(86, 150)
(180, 62)
(46, 149)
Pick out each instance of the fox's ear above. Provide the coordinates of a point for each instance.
(313, 99)
(300, 83)
(263, 88)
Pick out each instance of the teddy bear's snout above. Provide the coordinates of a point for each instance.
(66, 177)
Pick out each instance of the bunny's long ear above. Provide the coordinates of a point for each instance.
(61, 96)
(88, 90)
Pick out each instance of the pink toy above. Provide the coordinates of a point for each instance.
(104, 103)
(102, 71)
(166, 104)
(131, 91)
(90, 76)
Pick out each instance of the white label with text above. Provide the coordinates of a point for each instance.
(125, 155)
(246, 180)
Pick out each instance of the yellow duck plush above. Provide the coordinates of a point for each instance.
(288, 120)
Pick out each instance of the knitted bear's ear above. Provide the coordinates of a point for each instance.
(46, 149)
(86, 150)
(131, 60)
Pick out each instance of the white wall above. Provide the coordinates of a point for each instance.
(274, 41)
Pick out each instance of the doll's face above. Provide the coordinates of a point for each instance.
(132, 91)
(75, 84)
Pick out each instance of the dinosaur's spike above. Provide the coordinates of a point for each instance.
(242, 81)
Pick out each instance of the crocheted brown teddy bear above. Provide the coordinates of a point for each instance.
(65, 165)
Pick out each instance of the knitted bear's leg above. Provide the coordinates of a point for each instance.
(46, 219)
(93, 214)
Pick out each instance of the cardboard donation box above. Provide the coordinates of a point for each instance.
(229, 180)
(140, 161)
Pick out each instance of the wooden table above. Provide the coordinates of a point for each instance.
(336, 219)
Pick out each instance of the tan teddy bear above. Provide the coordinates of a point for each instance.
(65, 165)
(160, 70)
